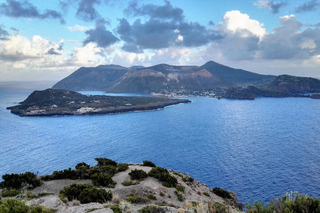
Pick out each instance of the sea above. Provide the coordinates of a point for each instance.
(259, 149)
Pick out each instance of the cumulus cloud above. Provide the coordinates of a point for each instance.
(159, 29)
(100, 35)
(24, 9)
(273, 6)
(88, 55)
(284, 42)
(18, 48)
(86, 10)
(246, 39)
(308, 6)
(237, 22)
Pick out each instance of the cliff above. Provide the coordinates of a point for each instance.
(121, 188)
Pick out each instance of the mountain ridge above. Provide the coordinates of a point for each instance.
(157, 78)
(211, 79)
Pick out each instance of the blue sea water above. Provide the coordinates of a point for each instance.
(258, 149)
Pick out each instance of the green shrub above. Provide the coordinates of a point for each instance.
(82, 166)
(122, 167)
(148, 163)
(187, 178)
(180, 188)
(164, 176)
(105, 180)
(179, 196)
(86, 193)
(10, 192)
(65, 174)
(291, 202)
(218, 207)
(17, 206)
(206, 194)
(116, 209)
(105, 162)
(133, 198)
(161, 194)
(138, 174)
(110, 170)
(149, 209)
(222, 193)
(13, 206)
(17, 181)
(151, 196)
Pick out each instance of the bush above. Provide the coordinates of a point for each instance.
(65, 174)
(179, 196)
(222, 193)
(115, 209)
(148, 163)
(164, 176)
(17, 206)
(133, 198)
(105, 162)
(13, 206)
(206, 194)
(149, 209)
(110, 170)
(86, 193)
(291, 202)
(82, 166)
(138, 174)
(180, 188)
(105, 180)
(151, 197)
(122, 167)
(17, 181)
(10, 192)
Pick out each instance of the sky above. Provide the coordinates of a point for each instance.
(45, 40)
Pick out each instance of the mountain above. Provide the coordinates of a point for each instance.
(159, 78)
(92, 78)
(237, 77)
(295, 85)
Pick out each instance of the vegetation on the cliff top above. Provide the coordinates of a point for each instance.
(101, 174)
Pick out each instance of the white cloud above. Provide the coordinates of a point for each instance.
(87, 55)
(79, 28)
(179, 38)
(236, 21)
(18, 48)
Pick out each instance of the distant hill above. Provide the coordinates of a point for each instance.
(237, 77)
(159, 78)
(295, 85)
(99, 78)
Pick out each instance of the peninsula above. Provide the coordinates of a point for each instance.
(57, 102)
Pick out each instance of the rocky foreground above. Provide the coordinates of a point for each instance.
(57, 102)
(139, 188)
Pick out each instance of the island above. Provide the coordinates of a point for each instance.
(58, 102)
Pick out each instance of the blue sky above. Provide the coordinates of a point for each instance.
(48, 40)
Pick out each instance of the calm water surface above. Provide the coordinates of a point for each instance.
(259, 149)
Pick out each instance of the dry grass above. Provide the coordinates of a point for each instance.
(116, 198)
